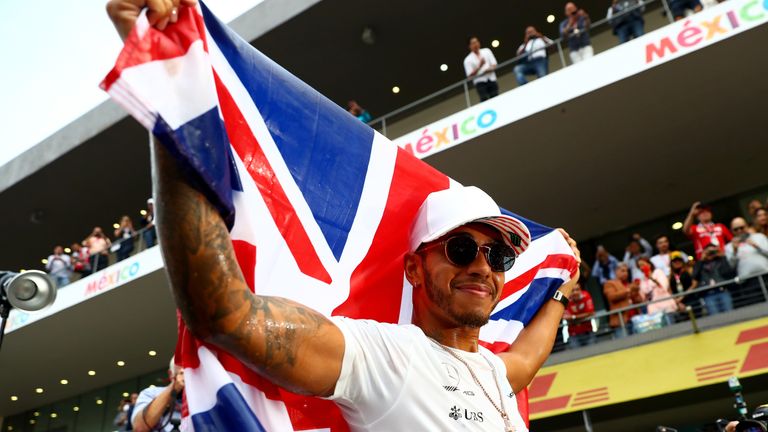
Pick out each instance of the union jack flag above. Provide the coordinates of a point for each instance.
(318, 204)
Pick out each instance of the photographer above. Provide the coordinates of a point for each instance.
(157, 407)
(712, 269)
(758, 423)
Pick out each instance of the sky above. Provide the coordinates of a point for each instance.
(55, 53)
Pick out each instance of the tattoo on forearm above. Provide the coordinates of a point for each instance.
(267, 332)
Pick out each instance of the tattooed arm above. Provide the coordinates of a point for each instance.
(286, 342)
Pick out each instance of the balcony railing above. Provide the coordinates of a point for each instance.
(741, 293)
(457, 96)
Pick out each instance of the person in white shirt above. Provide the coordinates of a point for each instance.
(535, 62)
(747, 253)
(480, 64)
(431, 375)
(661, 260)
(58, 266)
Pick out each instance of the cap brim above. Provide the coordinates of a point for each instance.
(513, 231)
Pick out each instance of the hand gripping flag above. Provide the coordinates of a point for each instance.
(318, 205)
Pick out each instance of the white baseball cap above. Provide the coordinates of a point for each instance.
(451, 208)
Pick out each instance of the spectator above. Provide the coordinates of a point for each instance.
(158, 408)
(661, 260)
(98, 246)
(760, 221)
(747, 253)
(356, 110)
(80, 260)
(680, 281)
(129, 413)
(679, 7)
(578, 314)
(705, 232)
(536, 62)
(58, 266)
(121, 419)
(480, 64)
(124, 238)
(605, 266)
(654, 285)
(148, 224)
(638, 247)
(753, 206)
(626, 18)
(574, 29)
(712, 269)
(621, 293)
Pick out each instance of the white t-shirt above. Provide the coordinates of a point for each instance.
(536, 47)
(472, 60)
(394, 378)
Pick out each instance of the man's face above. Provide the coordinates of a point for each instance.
(463, 296)
(704, 216)
(676, 264)
(58, 250)
(602, 255)
(474, 44)
(570, 9)
(622, 274)
(634, 247)
(662, 244)
(576, 293)
(530, 31)
(761, 217)
(754, 205)
(710, 252)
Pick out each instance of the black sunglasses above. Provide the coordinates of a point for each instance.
(461, 251)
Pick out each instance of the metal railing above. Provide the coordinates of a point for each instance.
(138, 239)
(742, 292)
(384, 122)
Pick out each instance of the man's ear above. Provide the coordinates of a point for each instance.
(414, 269)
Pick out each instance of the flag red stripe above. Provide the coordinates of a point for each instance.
(383, 264)
(258, 166)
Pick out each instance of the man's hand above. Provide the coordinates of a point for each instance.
(124, 13)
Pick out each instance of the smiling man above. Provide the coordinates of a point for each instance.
(430, 375)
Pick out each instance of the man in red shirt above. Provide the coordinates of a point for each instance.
(705, 232)
(579, 310)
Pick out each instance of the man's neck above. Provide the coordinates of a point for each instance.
(463, 338)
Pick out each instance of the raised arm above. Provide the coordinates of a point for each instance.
(530, 350)
(288, 343)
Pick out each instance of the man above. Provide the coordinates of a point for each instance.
(574, 29)
(662, 259)
(384, 377)
(680, 281)
(159, 408)
(626, 18)
(356, 110)
(637, 247)
(480, 64)
(605, 266)
(705, 232)
(58, 266)
(535, 46)
(747, 253)
(578, 314)
(712, 269)
(620, 293)
(148, 224)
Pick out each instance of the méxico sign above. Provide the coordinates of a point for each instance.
(667, 43)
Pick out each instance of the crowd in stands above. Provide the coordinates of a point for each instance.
(624, 16)
(92, 253)
(658, 282)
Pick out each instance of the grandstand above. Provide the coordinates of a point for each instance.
(621, 143)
